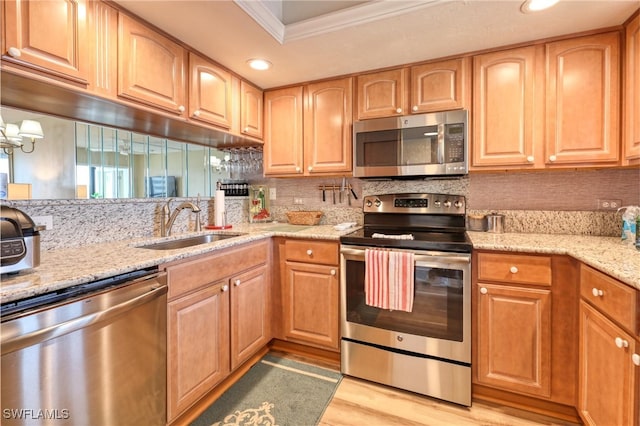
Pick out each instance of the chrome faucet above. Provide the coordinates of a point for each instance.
(165, 227)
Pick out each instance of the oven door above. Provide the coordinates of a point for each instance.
(440, 322)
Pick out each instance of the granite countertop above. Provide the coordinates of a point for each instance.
(67, 267)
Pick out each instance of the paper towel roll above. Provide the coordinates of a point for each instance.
(219, 208)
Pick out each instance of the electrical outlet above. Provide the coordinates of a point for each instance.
(272, 193)
(46, 221)
(609, 204)
(297, 201)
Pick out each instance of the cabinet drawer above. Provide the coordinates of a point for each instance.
(514, 268)
(190, 275)
(613, 298)
(308, 251)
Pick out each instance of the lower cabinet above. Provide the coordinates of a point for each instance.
(218, 315)
(311, 293)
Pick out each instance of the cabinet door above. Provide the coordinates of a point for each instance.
(583, 98)
(210, 92)
(48, 36)
(250, 110)
(440, 86)
(632, 93)
(250, 314)
(311, 304)
(607, 390)
(507, 108)
(198, 345)
(283, 152)
(514, 338)
(382, 94)
(103, 34)
(151, 68)
(327, 127)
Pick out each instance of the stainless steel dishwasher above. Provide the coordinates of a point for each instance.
(93, 354)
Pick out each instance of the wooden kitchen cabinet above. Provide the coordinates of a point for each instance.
(583, 101)
(48, 37)
(210, 92)
(609, 372)
(151, 67)
(103, 36)
(218, 315)
(251, 110)
(308, 129)
(508, 110)
(631, 92)
(524, 344)
(430, 87)
(311, 293)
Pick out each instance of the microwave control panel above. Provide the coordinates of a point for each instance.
(454, 143)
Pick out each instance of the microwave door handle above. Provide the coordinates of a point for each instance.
(441, 143)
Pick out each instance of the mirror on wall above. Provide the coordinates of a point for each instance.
(84, 161)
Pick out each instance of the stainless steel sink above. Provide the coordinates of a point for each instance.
(188, 242)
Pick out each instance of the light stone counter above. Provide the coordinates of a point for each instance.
(608, 254)
(67, 267)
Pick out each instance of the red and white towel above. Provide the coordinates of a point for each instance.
(389, 279)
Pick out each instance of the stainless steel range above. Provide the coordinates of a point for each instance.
(425, 348)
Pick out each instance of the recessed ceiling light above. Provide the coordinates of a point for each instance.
(536, 5)
(259, 64)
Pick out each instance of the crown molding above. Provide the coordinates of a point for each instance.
(260, 13)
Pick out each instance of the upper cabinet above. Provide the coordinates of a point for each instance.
(632, 93)
(308, 129)
(251, 110)
(48, 37)
(435, 86)
(507, 108)
(103, 39)
(210, 92)
(583, 101)
(151, 68)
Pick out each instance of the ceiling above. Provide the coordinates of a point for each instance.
(310, 40)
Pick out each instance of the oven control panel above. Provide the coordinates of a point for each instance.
(415, 203)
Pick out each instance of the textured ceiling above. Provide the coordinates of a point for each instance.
(364, 35)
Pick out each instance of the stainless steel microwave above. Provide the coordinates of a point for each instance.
(431, 144)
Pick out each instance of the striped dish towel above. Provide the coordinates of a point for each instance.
(389, 279)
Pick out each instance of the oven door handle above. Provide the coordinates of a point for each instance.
(423, 258)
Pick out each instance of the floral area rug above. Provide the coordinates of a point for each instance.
(274, 392)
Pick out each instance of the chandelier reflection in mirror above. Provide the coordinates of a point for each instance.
(11, 135)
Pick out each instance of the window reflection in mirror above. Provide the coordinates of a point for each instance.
(79, 160)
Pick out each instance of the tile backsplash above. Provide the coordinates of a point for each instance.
(559, 202)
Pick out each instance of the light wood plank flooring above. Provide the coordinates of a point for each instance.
(358, 402)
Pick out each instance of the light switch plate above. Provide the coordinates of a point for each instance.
(272, 193)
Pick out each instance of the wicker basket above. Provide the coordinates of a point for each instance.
(304, 218)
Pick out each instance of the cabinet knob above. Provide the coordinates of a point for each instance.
(552, 158)
(14, 52)
(225, 288)
(621, 343)
(530, 159)
(399, 110)
(415, 108)
(309, 252)
(636, 359)
(333, 272)
(597, 292)
(513, 269)
(236, 283)
(310, 168)
(483, 290)
(297, 169)
(246, 130)
(196, 112)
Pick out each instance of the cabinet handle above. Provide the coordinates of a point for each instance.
(530, 159)
(513, 269)
(225, 288)
(399, 110)
(309, 252)
(196, 112)
(597, 293)
(14, 52)
(310, 168)
(483, 290)
(415, 108)
(333, 272)
(621, 343)
(552, 158)
(236, 283)
(181, 108)
(636, 359)
(246, 130)
(297, 169)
